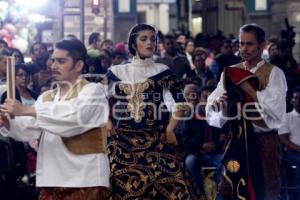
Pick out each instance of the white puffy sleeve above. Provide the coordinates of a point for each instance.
(272, 99)
(78, 115)
(216, 118)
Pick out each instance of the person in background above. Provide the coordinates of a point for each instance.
(180, 43)
(225, 59)
(201, 70)
(203, 144)
(107, 45)
(3, 45)
(19, 58)
(93, 49)
(28, 98)
(290, 136)
(189, 52)
(178, 64)
(44, 76)
(118, 57)
(3, 62)
(38, 53)
(23, 93)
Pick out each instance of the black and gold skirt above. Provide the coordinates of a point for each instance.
(144, 166)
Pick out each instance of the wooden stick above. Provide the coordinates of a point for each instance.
(10, 77)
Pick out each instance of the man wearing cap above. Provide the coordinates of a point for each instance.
(261, 86)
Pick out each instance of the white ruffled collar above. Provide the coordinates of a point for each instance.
(137, 62)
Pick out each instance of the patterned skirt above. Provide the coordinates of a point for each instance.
(144, 166)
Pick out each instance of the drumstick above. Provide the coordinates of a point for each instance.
(10, 77)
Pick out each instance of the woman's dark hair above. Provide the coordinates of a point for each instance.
(23, 67)
(15, 50)
(133, 35)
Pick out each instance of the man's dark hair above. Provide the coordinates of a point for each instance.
(94, 37)
(256, 30)
(133, 35)
(75, 48)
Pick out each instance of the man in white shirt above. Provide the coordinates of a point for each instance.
(71, 162)
(270, 98)
(290, 136)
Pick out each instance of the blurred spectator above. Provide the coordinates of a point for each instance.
(118, 57)
(44, 76)
(107, 45)
(180, 43)
(225, 59)
(3, 61)
(189, 51)
(19, 58)
(290, 137)
(3, 45)
(235, 47)
(38, 53)
(201, 70)
(178, 64)
(202, 143)
(93, 50)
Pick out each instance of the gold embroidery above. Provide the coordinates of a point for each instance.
(233, 166)
(182, 107)
(242, 181)
(169, 82)
(136, 98)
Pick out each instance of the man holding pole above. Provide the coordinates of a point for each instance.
(68, 121)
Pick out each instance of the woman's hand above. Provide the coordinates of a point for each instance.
(15, 108)
(109, 128)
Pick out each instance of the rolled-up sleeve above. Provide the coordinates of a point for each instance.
(22, 128)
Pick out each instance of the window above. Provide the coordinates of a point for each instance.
(258, 6)
(261, 5)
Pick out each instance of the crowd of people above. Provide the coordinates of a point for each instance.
(145, 118)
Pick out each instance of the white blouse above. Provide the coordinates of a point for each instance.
(139, 70)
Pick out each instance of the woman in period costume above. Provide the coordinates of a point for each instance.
(144, 161)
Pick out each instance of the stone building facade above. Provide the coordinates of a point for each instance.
(229, 15)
